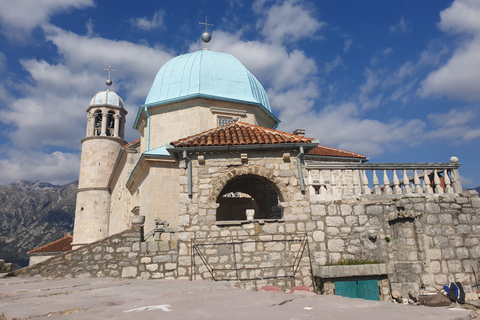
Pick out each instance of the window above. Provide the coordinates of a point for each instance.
(222, 121)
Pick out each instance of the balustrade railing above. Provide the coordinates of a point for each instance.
(340, 180)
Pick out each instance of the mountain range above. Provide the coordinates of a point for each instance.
(33, 214)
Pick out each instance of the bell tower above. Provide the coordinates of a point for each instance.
(100, 148)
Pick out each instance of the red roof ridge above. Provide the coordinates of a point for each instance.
(335, 152)
(239, 133)
(60, 245)
(130, 143)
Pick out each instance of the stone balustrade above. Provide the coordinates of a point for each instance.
(336, 181)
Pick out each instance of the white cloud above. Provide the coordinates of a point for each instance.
(347, 44)
(459, 77)
(400, 27)
(57, 167)
(461, 16)
(156, 22)
(19, 17)
(332, 65)
(343, 126)
(289, 21)
(456, 125)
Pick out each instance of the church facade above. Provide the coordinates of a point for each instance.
(231, 198)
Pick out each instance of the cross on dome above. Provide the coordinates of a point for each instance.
(206, 36)
(109, 81)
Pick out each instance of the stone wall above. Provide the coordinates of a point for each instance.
(121, 255)
(426, 242)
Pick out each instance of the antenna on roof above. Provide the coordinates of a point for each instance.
(109, 81)
(206, 36)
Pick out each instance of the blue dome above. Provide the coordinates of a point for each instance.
(206, 74)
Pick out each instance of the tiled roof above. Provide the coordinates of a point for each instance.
(60, 245)
(239, 133)
(130, 143)
(333, 152)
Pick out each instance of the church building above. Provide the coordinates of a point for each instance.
(215, 191)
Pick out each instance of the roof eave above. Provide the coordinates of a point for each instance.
(205, 96)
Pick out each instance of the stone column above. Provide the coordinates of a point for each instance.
(104, 124)
(116, 125)
(90, 125)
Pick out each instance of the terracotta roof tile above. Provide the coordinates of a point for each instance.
(130, 143)
(239, 133)
(333, 152)
(60, 245)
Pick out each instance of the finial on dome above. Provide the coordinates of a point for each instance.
(206, 36)
(109, 81)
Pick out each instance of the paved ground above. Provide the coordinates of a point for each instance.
(108, 298)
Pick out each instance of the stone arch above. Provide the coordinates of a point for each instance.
(97, 122)
(248, 188)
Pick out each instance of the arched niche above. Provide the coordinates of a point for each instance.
(249, 192)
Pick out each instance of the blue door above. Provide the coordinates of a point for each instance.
(364, 289)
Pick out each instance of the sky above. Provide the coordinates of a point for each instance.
(397, 81)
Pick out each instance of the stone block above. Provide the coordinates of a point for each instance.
(475, 202)
(435, 267)
(445, 218)
(462, 253)
(318, 210)
(336, 245)
(454, 265)
(129, 272)
(432, 208)
(440, 241)
(152, 267)
(170, 266)
(374, 210)
(432, 219)
(448, 254)
(145, 260)
(318, 236)
(334, 221)
(332, 231)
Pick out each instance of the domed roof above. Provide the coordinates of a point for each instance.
(206, 74)
(107, 97)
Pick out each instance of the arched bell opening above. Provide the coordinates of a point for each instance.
(98, 123)
(249, 192)
(110, 124)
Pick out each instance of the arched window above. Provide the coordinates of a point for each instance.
(248, 192)
(111, 124)
(98, 123)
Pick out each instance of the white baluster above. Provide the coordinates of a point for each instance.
(321, 181)
(396, 183)
(344, 182)
(334, 183)
(448, 187)
(366, 188)
(426, 183)
(386, 183)
(311, 188)
(416, 181)
(376, 187)
(357, 188)
(406, 183)
(438, 183)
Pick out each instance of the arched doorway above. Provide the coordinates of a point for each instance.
(248, 192)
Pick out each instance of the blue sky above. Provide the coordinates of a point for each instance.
(398, 81)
